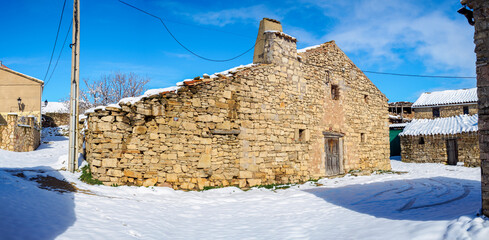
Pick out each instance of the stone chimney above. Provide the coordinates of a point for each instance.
(271, 38)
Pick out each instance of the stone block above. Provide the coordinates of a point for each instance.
(245, 174)
(204, 161)
(129, 173)
(171, 177)
(109, 162)
(150, 182)
(254, 182)
(139, 130)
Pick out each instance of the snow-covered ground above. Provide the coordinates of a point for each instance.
(430, 201)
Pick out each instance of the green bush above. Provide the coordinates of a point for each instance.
(86, 176)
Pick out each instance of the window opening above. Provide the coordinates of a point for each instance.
(335, 92)
(436, 112)
(301, 134)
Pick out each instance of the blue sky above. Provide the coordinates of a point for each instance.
(413, 37)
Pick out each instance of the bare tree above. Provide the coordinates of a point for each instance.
(113, 87)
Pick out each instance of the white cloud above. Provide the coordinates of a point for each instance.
(396, 30)
(229, 16)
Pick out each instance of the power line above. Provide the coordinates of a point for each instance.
(56, 40)
(214, 60)
(57, 60)
(415, 75)
(212, 29)
(190, 51)
(399, 74)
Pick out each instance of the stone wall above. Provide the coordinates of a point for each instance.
(19, 136)
(55, 119)
(433, 148)
(264, 124)
(481, 16)
(445, 111)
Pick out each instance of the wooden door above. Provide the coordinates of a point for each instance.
(452, 152)
(332, 150)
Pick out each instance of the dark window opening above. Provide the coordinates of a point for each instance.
(301, 134)
(436, 112)
(466, 109)
(335, 92)
(365, 98)
(362, 137)
(421, 140)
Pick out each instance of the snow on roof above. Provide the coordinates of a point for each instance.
(308, 48)
(149, 93)
(397, 125)
(54, 107)
(282, 34)
(447, 97)
(153, 92)
(449, 125)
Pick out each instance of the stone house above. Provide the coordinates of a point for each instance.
(400, 112)
(55, 114)
(289, 117)
(446, 103)
(19, 94)
(20, 111)
(444, 129)
(442, 140)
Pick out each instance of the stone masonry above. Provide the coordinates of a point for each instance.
(445, 111)
(481, 40)
(433, 148)
(263, 124)
(19, 136)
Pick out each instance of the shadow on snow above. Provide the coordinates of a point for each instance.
(35, 203)
(422, 199)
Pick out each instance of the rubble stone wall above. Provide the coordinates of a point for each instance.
(434, 148)
(445, 111)
(19, 137)
(265, 124)
(481, 16)
(55, 119)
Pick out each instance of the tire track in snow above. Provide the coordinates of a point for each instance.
(408, 206)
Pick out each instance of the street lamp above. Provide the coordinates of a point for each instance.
(19, 101)
(468, 14)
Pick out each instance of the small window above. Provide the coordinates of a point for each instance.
(301, 135)
(466, 109)
(335, 92)
(365, 98)
(421, 140)
(436, 112)
(362, 137)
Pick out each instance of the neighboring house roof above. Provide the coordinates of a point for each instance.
(54, 107)
(446, 97)
(21, 74)
(449, 125)
(398, 125)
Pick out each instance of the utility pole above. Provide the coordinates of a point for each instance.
(75, 80)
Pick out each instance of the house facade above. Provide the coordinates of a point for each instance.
(55, 114)
(20, 111)
(447, 103)
(444, 129)
(289, 117)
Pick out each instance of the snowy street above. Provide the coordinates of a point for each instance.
(415, 201)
